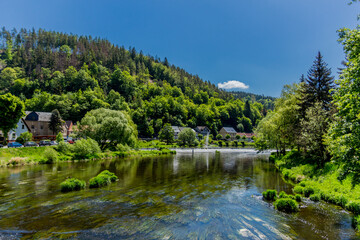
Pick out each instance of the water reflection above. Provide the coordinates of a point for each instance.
(204, 195)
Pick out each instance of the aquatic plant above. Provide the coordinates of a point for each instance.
(102, 179)
(282, 194)
(298, 197)
(72, 184)
(286, 205)
(270, 195)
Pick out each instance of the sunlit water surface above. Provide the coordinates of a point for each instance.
(200, 195)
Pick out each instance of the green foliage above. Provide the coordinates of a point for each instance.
(218, 137)
(298, 189)
(308, 191)
(64, 147)
(227, 136)
(24, 137)
(343, 137)
(102, 179)
(315, 197)
(187, 137)
(354, 206)
(59, 137)
(109, 128)
(270, 195)
(11, 109)
(72, 184)
(50, 155)
(167, 134)
(286, 205)
(55, 124)
(84, 148)
(298, 197)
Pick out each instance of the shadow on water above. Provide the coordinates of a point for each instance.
(204, 195)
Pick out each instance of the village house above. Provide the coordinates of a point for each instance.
(203, 130)
(38, 123)
(248, 136)
(67, 129)
(228, 130)
(15, 133)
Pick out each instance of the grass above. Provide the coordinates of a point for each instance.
(49, 154)
(72, 184)
(321, 184)
(102, 179)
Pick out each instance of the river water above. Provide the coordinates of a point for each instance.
(190, 195)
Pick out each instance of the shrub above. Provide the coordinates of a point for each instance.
(270, 195)
(298, 197)
(102, 179)
(302, 184)
(354, 206)
(272, 157)
(50, 155)
(298, 189)
(122, 148)
(282, 194)
(286, 205)
(308, 191)
(85, 148)
(315, 197)
(72, 184)
(24, 137)
(63, 147)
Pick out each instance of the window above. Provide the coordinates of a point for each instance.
(13, 136)
(32, 127)
(41, 127)
(22, 127)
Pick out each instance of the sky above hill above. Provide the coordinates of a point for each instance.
(255, 46)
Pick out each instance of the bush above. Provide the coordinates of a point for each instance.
(270, 195)
(63, 147)
(315, 197)
(86, 148)
(298, 189)
(356, 222)
(72, 184)
(102, 179)
(282, 194)
(286, 205)
(24, 137)
(308, 191)
(59, 137)
(50, 155)
(298, 197)
(122, 148)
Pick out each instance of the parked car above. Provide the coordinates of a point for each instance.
(70, 141)
(54, 143)
(45, 143)
(1, 145)
(31, 144)
(14, 145)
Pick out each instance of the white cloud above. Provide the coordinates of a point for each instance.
(233, 84)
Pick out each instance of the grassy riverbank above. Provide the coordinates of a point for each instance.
(320, 183)
(41, 155)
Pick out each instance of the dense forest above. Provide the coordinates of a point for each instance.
(266, 101)
(75, 74)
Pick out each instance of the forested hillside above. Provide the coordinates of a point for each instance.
(76, 74)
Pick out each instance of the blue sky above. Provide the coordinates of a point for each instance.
(263, 44)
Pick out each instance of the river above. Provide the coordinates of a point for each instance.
(190, 195)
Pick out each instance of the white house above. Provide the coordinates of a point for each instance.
(15, 133)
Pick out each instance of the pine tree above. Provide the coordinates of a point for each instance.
(318, 84)
(55, 121)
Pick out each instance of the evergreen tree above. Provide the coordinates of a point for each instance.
(55, 121)
(247, 111)
(318, 84)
